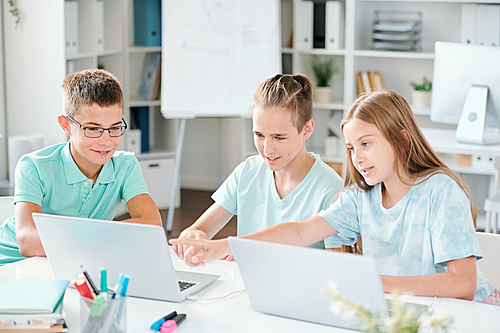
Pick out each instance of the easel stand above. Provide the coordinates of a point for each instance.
(177, 168)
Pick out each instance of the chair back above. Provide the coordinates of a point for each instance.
(6, 208)
(490, 245)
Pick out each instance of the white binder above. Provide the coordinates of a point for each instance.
(468, 23)
(303, 24)
(99, 25)
(71, 26)
(488, 25)
(334, 25)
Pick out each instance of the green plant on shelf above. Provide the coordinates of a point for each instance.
(323, 69)
(426, 85)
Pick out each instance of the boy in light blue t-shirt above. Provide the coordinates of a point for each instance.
(284, 182)
(85, 177)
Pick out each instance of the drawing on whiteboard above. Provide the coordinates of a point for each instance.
(204, 49)
(214, 10)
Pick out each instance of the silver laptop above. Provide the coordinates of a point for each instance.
(138, 250)
(287, 280)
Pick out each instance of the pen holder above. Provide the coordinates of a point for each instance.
(103, 317)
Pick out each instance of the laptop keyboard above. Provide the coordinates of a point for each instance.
(185, 285)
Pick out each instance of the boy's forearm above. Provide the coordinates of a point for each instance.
(211, 221)
(29, 243)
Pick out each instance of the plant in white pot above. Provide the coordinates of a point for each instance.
(421, 93)
(323, 69)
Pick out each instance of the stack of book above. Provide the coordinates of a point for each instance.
(32, 305)
(397, 30)
(369, 81)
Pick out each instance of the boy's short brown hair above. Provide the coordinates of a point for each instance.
(90, 86)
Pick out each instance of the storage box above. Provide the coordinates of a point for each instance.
(158, 174)
(483, 161)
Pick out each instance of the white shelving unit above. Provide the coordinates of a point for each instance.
(441, 21)
(125, 60)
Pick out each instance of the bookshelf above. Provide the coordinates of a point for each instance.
(441, 21)
(105, 35)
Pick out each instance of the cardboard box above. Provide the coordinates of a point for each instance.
(464, 160)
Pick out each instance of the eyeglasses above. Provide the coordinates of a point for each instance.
(96, 132)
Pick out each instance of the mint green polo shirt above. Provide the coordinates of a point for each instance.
(51, 179)
(250, 193)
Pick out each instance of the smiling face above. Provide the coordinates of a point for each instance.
(371, 153)
(277, 139)
(90, 154)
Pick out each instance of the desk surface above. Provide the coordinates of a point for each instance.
(235, 313)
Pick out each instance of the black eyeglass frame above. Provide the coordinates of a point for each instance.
(101, 129)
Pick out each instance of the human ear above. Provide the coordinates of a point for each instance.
(406, 136)
(308, 129)
(64, 123)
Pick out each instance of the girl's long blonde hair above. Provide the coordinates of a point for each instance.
(414, 157)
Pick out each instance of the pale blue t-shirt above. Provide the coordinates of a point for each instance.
(250, 193)
(430, 225)
(50, 178)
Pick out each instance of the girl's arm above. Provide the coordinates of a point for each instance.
(300, 233)
(459, 282)
(206, 227)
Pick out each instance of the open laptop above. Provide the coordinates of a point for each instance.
(286, 280)
(138, 250)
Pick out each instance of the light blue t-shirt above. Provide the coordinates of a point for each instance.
(431, 225)
(51, 179)
(250, 193)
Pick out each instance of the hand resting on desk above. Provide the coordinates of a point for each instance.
(200, 250)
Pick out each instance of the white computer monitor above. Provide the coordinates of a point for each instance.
(466, 90)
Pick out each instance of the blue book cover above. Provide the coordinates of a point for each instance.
(31, 295)
(141, 119)
(147, 22)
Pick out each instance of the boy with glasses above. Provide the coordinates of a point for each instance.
(85, 177)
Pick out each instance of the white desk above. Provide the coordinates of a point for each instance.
(235, 314)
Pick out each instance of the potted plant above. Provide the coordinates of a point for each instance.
(421, 93)
(323, 69)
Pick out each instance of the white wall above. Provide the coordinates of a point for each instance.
(33, 94)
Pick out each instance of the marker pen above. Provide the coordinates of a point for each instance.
(157, 325)
(171, 325)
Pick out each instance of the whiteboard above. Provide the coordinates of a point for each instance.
(215, 53)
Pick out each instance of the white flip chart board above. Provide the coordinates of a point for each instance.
(215, 53)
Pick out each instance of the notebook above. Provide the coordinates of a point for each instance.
(286, 280)
(31, 295)
(138, 250)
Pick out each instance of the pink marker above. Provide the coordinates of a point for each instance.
(171, 325)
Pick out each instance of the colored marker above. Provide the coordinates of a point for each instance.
(157, 325)
(122, 291)
(104, 281)
(171, 325)
(89, 280)
(118, 286)
(83, 288)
